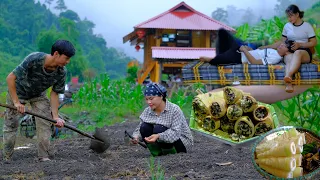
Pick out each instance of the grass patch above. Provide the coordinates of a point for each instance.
(103, 102)
(156, 170)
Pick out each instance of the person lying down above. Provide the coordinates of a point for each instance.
(230, 52)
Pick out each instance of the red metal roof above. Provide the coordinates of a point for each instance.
(182, 52)
(188, 19)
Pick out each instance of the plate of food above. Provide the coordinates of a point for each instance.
(231, 116)
(287, 152)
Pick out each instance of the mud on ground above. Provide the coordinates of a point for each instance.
(74, 160)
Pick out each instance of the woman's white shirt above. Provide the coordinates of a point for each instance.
(301, 33)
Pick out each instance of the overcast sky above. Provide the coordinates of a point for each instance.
(116, 18)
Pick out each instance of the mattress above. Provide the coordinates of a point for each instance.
(248, 74)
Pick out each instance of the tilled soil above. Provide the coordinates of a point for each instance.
(74, 160)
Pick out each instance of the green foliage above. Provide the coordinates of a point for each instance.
(7, 64)
(97, 55)
(184, 102)
(69, 14)
(266, 32)
(302, 110)
(47, 37)
(132, 74)
(242, 31)
(28, 26)
(109, 99)
(157, 172)
(317, 48)
(3, 96)
(316, 5)
(313, 13)
(78, 64)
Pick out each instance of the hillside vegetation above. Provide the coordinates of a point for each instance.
(26, 26)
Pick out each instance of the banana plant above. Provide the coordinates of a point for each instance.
(242, 31)
(317, 31)
(267, 31)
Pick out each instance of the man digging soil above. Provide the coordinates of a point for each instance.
(27, 83)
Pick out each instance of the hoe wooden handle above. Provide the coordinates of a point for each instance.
(54, 122)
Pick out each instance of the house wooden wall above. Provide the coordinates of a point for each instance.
(200, 39)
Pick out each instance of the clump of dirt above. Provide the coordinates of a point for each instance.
(74, 160)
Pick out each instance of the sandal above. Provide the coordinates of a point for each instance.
(289, 88)
(287, 79)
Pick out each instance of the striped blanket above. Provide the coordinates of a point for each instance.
(199, 72)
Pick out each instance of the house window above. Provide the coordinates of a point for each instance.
(213, 38)
(168, 39)
(183, 38)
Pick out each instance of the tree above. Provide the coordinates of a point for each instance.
(77, 65)
(86, 26)
(46, 38)
(248, 17)
(61, 6)
(281, 7)
(236, 15)
(69, 27)
(43, 28)
(220, 15)
(96, 61)
(70, 15)
(316, 5)
(49, 2)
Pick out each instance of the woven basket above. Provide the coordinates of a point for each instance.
(310, 137)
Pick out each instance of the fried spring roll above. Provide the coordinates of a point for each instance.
(234, 112)
(244, 126)
(264, 126)
(248, 103)
(201, 105)
(210, 124)
(232, 95)
(218, 108)
(227, 125)
(261, 113)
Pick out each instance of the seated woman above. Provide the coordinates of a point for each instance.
(303, 36)
(227, 50)
(163, 126)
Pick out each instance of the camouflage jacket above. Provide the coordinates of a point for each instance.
(33, 80)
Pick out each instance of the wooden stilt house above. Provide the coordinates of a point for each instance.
(173, 39)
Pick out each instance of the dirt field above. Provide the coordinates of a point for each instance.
(74, 160)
